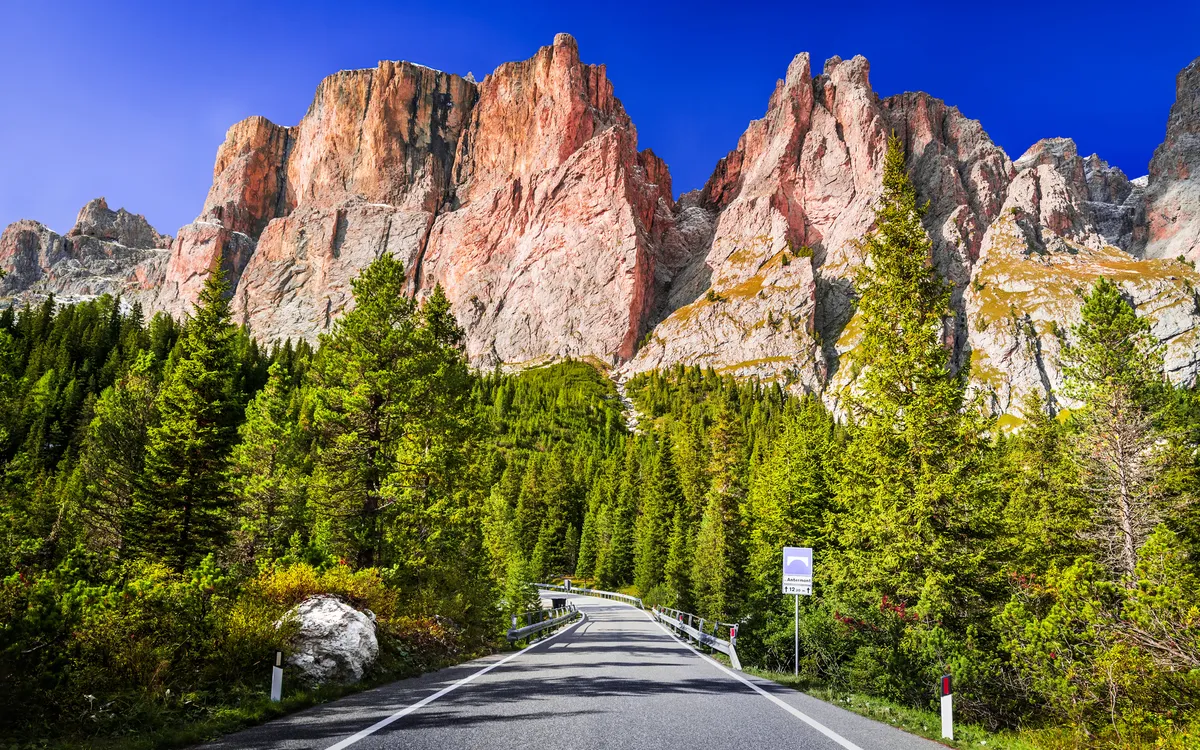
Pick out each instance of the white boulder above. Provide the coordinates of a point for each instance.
(335, 642)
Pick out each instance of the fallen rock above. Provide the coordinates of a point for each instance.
(335, 643)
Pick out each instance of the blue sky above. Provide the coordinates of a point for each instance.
(130, 100)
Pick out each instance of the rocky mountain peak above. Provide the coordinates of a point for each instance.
(526, 197)
(97, 220)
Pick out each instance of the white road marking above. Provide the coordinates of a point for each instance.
(774, 699)
(430, 699)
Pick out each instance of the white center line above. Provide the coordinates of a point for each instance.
(430, 699)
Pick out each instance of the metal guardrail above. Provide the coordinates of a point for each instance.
(545, 619)
(625, 598)
(682, 622)
(686, 623)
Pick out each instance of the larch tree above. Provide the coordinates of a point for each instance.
(1115, 368)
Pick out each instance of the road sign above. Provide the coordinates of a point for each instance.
(797, 570)
(797, 561)
(797, 580)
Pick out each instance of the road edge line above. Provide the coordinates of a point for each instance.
(387, 720)
(774, 699)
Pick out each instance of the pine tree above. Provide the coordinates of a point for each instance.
(182, 504)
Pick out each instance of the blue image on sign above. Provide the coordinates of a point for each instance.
(797, 561)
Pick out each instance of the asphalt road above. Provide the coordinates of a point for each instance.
(615, 680)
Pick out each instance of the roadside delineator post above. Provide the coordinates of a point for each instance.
(947, 709)
(277, 677)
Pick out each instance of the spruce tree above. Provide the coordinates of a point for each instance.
(788, 504)
(589, 537)
(1047, 510)
(113, 455)
(916, 513)
(719, 562)
(659, 503)
(618, 563)
(391, 385)
(181, 511)
(267, 472)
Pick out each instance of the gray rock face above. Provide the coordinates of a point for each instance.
(131, 230)
(1066, 221)
(336, 643)
(1173, 192)
(106, 252)
(1105, 200)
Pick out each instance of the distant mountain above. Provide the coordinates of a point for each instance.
(526, 197)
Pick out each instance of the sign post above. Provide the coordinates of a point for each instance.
(796, 638)
(797, 580)
(947, 709)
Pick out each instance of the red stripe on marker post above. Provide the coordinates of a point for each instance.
(945, 684)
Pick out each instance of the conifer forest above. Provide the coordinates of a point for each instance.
(169, 488)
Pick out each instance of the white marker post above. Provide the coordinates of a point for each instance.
(277, 677)
(797, 580)
(947, 709)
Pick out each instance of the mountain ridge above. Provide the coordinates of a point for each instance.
(527, 197)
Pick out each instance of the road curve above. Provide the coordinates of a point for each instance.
(615, 680)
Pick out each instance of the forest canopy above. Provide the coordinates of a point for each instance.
(168, 489)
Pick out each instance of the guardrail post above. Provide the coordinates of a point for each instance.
(277, 678)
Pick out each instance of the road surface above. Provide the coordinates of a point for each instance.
(614, 680)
